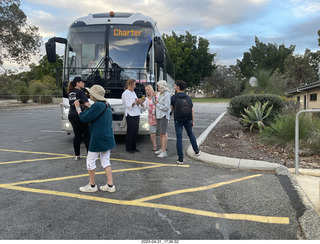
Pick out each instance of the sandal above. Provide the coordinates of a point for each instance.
(154, 148)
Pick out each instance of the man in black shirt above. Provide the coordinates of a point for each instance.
(182, 106)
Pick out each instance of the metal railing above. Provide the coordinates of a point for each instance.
(297, 136)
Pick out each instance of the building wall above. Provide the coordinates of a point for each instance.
(312, 100)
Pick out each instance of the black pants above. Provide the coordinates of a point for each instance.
(132, 132)
(80, 129)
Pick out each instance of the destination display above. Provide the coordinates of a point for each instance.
(122, 32)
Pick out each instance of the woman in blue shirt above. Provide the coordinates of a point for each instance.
(99, 116)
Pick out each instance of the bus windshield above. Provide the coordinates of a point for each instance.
(129, 45)
(126, 45)
(86, 45)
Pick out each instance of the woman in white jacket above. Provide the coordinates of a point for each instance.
(163, 110)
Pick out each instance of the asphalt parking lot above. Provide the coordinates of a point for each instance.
(156, 199)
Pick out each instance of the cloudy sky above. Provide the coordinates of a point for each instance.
(229, 25)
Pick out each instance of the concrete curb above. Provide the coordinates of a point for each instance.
(237, 163)
(309, 222)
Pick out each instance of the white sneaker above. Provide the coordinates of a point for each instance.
(158, 152)
(162, 155)
(198, 154)
(108, 188)
(88, 188)
(77, 158)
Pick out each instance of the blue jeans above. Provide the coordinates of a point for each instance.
(179, 130)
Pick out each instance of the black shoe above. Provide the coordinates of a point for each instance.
(131, 151)
(136, 150)
(180, 161)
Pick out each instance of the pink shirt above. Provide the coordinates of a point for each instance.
(151, 110)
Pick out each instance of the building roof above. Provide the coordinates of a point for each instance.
(304, 88)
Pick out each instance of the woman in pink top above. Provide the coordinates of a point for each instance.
(148, 103)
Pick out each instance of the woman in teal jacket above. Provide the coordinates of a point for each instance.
(99, 116)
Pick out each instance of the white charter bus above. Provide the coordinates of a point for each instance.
(108, 49)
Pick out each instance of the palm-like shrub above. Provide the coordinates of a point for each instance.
(256, 115)
(282, 131)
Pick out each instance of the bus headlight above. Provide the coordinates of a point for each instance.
(66, 110)
(146, 126)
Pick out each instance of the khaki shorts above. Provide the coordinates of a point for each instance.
(162, 125)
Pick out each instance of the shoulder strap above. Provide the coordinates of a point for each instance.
(100, 114)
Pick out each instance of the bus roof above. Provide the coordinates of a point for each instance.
(113, 18)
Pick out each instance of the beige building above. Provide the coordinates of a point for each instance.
(308, 95)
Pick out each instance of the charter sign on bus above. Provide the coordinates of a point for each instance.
(119, 32)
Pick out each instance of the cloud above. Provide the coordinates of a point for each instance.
(180, 14)
(44, 21)
(305, 8)
(229, 25)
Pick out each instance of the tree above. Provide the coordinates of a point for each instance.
(223, 83)
(18, 40)
(44, 68)
(298, 70)
(41, 78)
(191, 57)
(264, 57)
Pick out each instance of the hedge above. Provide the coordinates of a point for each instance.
(239, 103)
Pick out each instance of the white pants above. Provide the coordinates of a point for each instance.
(93, 156)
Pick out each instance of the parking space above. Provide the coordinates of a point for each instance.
(140, 202)
(155, 198)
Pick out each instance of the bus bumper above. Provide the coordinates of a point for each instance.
(119, 128)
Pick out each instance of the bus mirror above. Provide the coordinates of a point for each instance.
(51, 48)
(158, 50)
(51, 51)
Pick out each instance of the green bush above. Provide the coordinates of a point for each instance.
(40, 93)
(239, 103)
(292, 106)
(313, 141)
(282, 131)
(23, 93)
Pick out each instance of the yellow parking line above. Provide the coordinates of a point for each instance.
(247, 217)
(34, 160)
(202, 188)
(31, 152)
(75, 176)
(70, 156)
(142, 162)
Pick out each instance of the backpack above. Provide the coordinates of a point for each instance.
(183, 109)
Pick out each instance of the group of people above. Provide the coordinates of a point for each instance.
(159, 104)
(99, 137)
